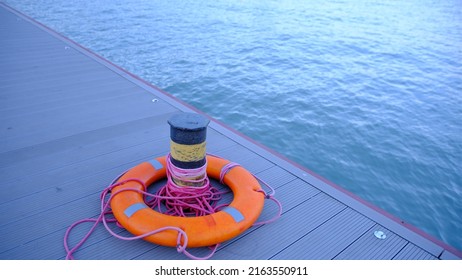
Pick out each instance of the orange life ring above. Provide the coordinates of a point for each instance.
(132, 213)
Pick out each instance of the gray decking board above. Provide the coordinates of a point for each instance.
(410, 251)
(248, 159)
(368, 247)
(330, 238)
(72, 168)
(71, 121)
(269, 239)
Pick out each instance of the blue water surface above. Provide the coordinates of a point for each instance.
(366, 93)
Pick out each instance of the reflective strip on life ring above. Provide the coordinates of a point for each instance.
(133, 214)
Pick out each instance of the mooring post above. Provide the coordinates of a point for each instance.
(188, 132)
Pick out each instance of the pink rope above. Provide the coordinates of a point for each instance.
(187, 175)
(186, 200)
(269, 196)
(181, 246)
(178, 201)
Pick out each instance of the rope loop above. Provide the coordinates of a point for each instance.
(226, 169)
(179, 247)
(175, 200)
(267, 195)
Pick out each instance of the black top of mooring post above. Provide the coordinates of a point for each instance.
(188, 128)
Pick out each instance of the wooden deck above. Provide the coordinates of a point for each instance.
(71, 121)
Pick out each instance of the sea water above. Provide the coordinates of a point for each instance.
(366, 93)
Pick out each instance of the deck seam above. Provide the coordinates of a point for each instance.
(89, 158)
(77, 179)
(400, 250)
(248, 231)
(309, 232)
(43, 236)
(64, 138)
(49, 209)
(353, 241)
(145, 252)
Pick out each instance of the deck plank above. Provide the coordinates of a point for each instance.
(296, 222)
(368, 247)
(412, 252)
(329, 239)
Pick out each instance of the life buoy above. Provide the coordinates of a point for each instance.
(135, 216)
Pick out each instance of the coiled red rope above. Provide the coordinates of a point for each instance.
(177, 200)
(184, 200)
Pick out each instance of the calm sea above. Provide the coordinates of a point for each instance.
(365, 93)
